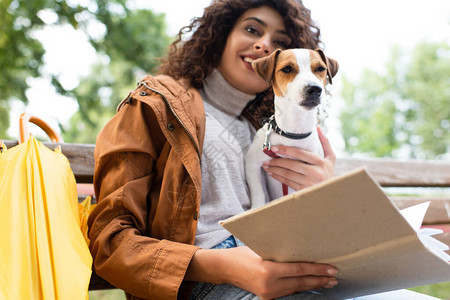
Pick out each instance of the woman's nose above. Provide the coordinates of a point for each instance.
(262, 45)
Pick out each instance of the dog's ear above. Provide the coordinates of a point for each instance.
(332, 65)
(265, 66)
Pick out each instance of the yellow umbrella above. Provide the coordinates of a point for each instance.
(43, 254)
(84, 209)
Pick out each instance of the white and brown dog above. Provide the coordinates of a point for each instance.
(298, 78)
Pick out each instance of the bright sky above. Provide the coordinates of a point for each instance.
(357, 33)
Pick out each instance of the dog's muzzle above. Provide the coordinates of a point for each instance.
(312, 95)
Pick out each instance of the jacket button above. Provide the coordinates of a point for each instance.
(143, 93)
(170, 126)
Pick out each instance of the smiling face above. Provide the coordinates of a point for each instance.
(257, 33)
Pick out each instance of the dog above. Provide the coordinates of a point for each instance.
(298, 78)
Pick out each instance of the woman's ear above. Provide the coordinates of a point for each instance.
(265, 66)
(332, 65)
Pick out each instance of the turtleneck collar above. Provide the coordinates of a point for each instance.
(220, 94)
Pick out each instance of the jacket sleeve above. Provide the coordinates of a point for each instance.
(123, 254)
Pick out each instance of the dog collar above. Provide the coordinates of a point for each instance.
(289, 135)
(272, 125)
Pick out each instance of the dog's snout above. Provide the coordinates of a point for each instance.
(311, 96)
(314, 90)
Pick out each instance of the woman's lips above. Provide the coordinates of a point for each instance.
(248, 62)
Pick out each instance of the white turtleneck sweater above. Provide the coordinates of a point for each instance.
(227, 138)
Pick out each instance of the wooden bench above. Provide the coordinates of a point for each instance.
(415, 175)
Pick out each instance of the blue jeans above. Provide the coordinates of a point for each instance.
(210, 291)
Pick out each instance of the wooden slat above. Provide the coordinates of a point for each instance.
(81, 158)
(437, 213)
(444, 237)
(83, 197)
(389, 172)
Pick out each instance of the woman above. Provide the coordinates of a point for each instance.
(150, 170)
(174, 152)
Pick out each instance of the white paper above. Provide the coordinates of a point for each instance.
(415, 214)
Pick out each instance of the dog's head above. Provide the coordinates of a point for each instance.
(298, 75)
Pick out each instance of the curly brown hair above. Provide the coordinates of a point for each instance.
(196, 57)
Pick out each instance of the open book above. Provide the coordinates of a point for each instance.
(350, 223)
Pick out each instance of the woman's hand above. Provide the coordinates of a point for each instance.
(243, 268)
(305, 169)
(269, 280)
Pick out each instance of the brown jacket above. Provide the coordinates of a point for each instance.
(148, 183)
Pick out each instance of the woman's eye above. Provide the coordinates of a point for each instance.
(287, 69)
(282, 44)
(252, 30)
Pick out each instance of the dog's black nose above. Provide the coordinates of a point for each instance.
(314, 91)
(311, 95)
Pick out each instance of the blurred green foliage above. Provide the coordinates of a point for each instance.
(438, 290)
(128, 48)
(107, 295)
(20, 53)
(404, 112)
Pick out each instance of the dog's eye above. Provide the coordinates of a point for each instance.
(320, 69)
(287, 69)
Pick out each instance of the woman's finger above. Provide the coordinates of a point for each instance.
(297, 153)
(294, 173)
(326, 146)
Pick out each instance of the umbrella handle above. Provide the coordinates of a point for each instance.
(24, 133)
